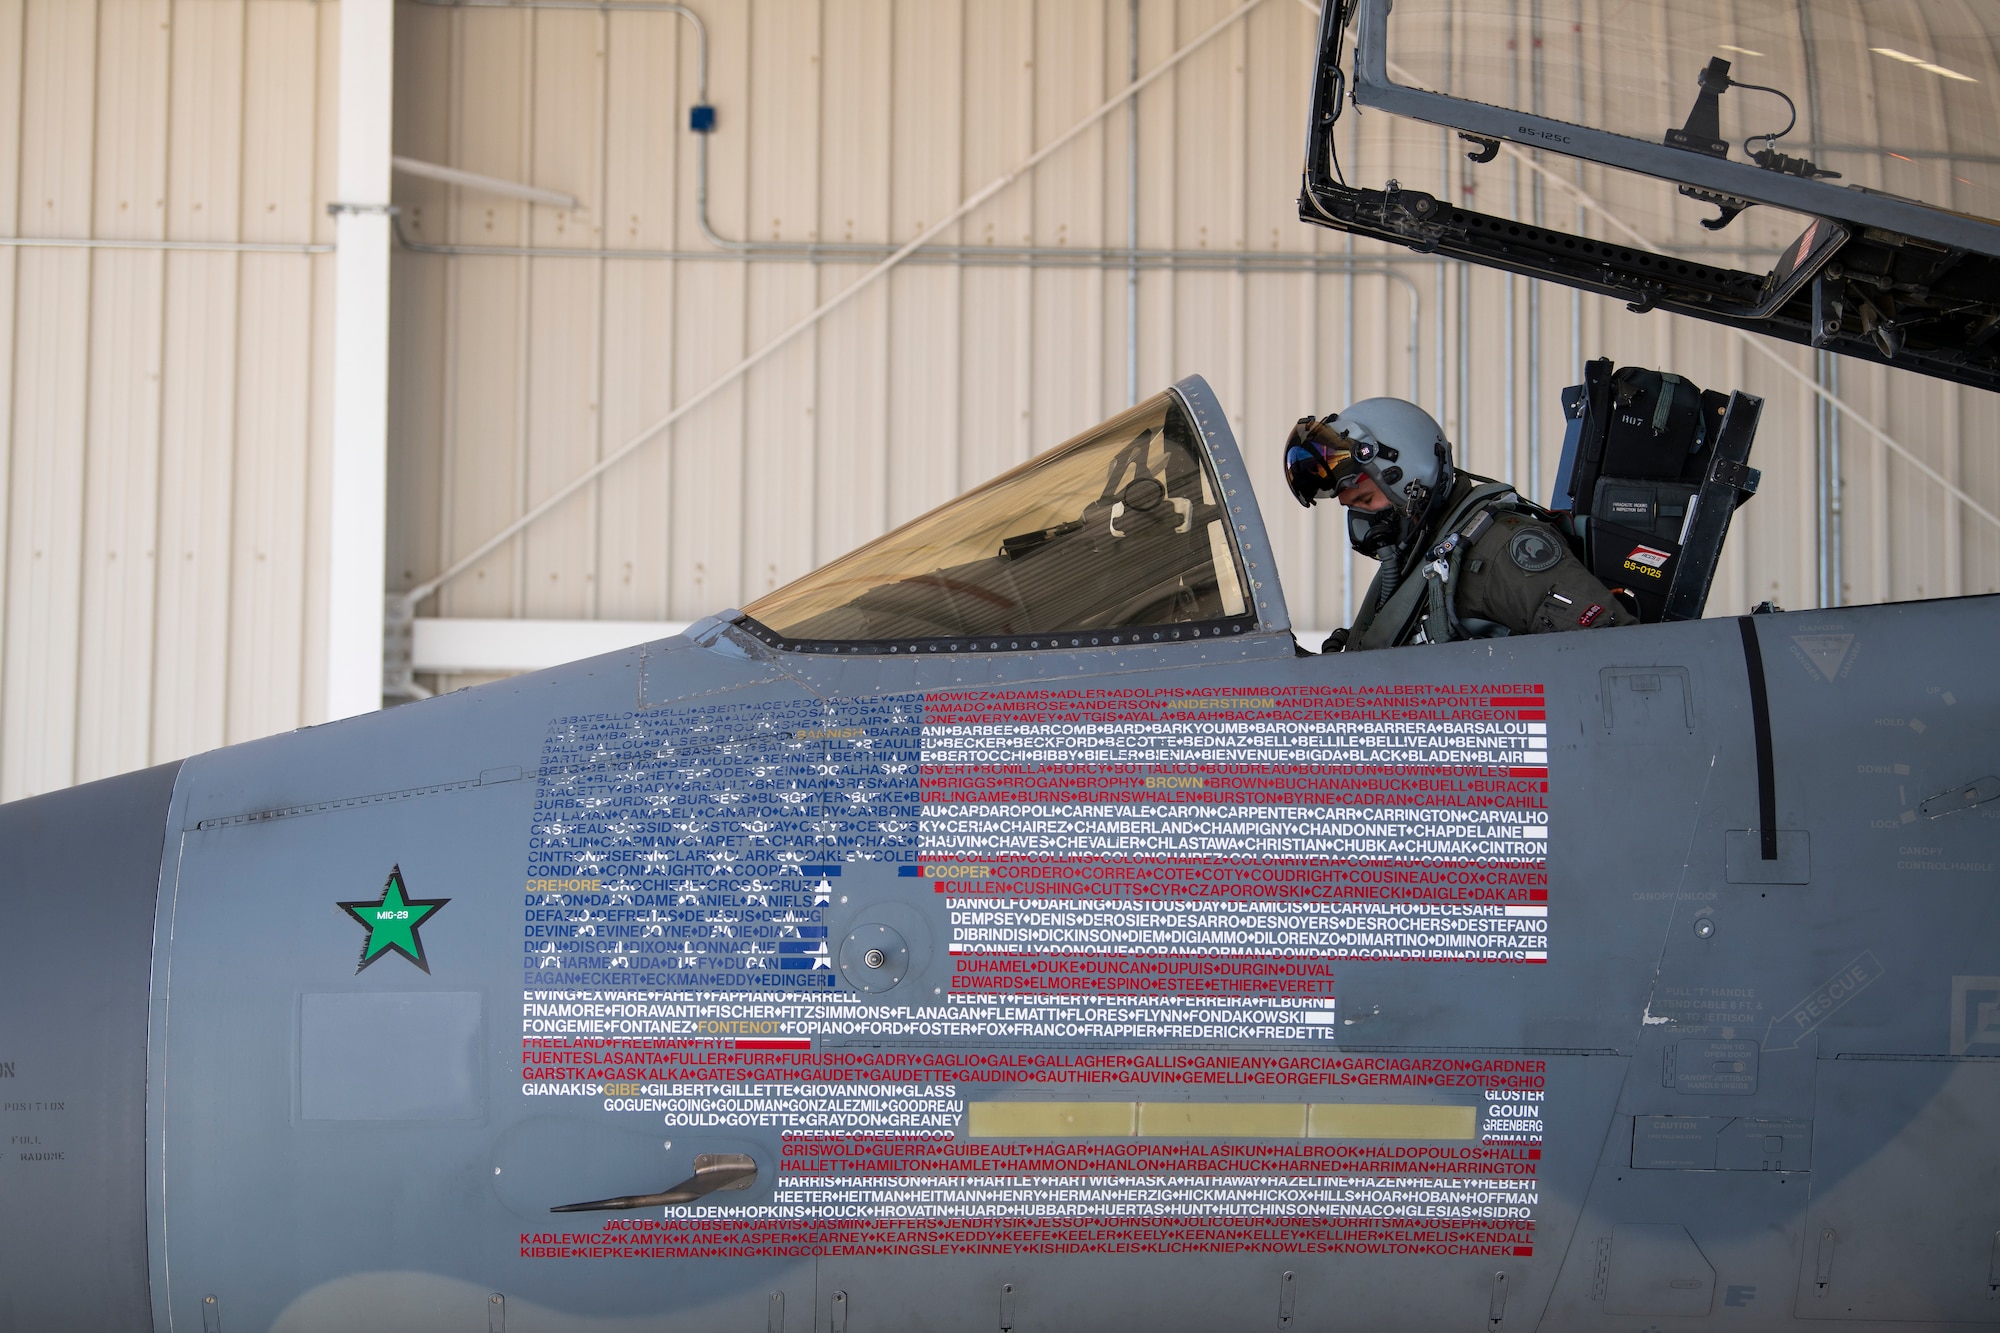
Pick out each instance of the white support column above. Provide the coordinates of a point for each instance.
(357, 570)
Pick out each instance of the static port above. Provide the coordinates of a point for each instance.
(875, 958)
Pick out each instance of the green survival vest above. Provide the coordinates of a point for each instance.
(1424, 599)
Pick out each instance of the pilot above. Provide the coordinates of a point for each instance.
(1461, 557)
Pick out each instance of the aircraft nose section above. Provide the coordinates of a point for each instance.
(80, 878)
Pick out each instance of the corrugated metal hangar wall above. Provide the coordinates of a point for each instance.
(163, 406)
(166, 410)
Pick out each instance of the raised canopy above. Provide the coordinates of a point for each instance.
(1861, 133)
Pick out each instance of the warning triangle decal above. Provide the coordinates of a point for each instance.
(1828, 652)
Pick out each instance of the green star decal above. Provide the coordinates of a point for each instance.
(392, 922)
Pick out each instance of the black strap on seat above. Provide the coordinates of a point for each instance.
(1730, 481)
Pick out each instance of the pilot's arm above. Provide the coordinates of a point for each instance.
(1521, 574)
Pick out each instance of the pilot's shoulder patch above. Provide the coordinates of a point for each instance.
(1535, 549)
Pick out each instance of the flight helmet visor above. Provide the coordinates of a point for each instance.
(1319, 461)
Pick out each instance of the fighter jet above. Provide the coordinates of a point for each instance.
(1168, 978)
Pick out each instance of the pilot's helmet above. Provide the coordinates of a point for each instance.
(1393, 442)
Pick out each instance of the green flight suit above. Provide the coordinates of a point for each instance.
(1483, 568)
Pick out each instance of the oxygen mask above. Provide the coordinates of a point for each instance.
(1372, 531)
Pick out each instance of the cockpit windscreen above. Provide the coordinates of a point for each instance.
(1118, 528)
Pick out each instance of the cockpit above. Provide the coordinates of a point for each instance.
(1121, 529)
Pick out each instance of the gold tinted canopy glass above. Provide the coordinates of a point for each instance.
(1118, 528)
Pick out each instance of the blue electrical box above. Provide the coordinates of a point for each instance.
(701, 119)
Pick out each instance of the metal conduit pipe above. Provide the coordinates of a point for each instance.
(1255, 261)
(1827, 421)
(826, 252)
(1820, 412)
(210, 247)
(1511, 338)
(606, 7)
(1346, 399)
(1132, 208)
(1836, 572)
(1826, 365)
(407, 600)
(1044, 256)
(1131, 257)
(1387, 266)
(1575, 296)
(1438, 280)
(1534, 417)
(996, 256)
(1463, 294)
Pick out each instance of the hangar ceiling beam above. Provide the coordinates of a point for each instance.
(357, 564)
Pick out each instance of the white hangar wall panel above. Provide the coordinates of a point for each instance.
(162, 413)
(845, 121)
